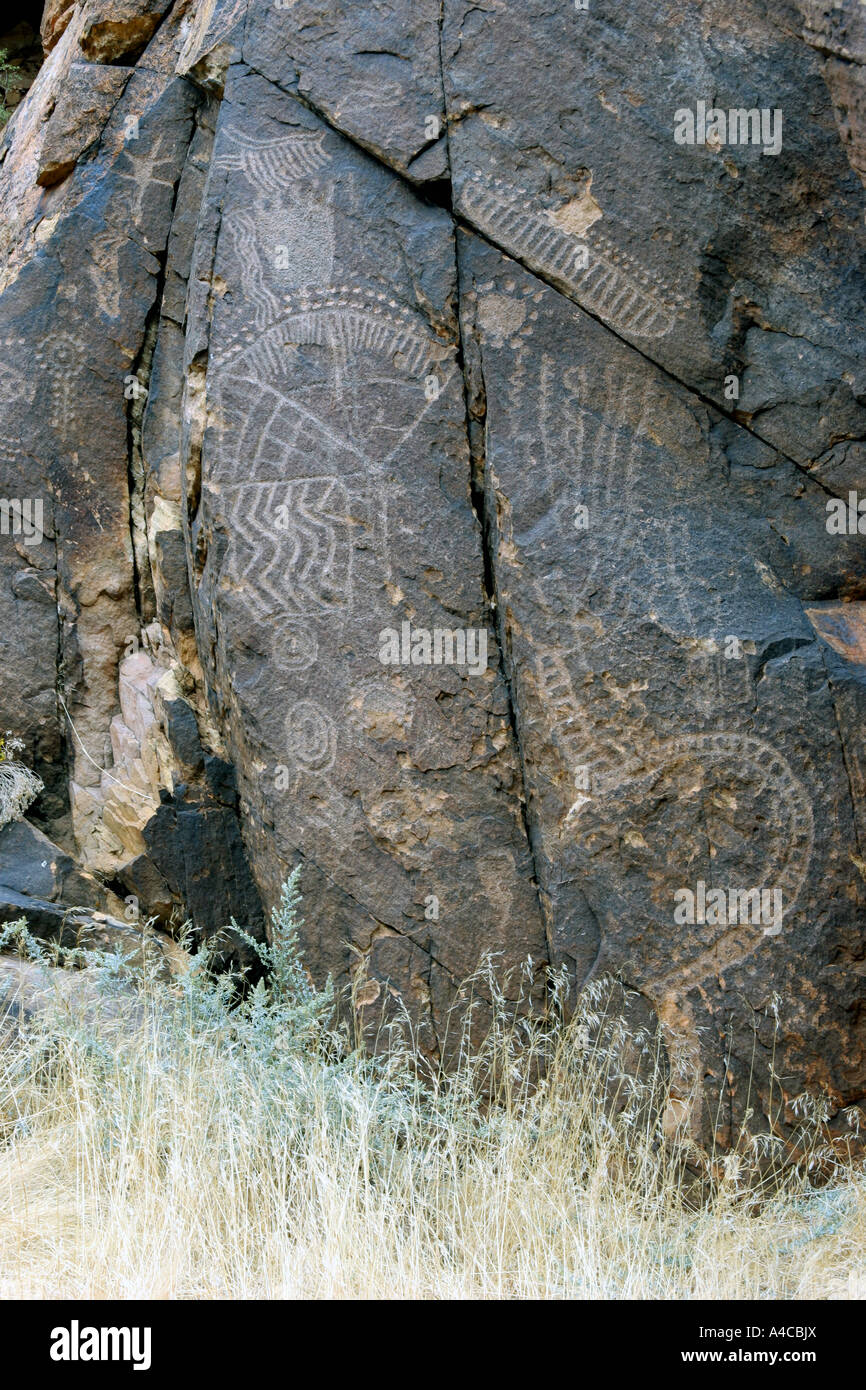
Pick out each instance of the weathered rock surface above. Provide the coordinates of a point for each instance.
(335, 436)
(83, 107)
(64, 930)
(679, 716)
(324, 323)
(33, 992)
(55, 17)
(32, 864)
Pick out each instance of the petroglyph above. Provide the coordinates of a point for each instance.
(141, 171)
(292, 539)
(298, 647)
(605, 755)
(279, 249)
(749, 822)
(286, 239)
(293, 548)
(752, 815)
(601, 276)
(104, 272)
(243, 229)
(272, 163)
(311, 737)
(601, 721)
(60, 357)
(300, 443)
(14, 384)
(347, 320)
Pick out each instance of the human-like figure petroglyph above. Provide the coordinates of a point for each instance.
(601, 276)
(141, 166)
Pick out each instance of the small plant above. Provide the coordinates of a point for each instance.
(9, 72)
(9, 745)
(18, 785)
(286, 998)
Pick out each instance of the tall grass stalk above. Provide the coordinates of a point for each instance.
(177, 1140)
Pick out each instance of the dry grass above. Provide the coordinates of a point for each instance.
(251, 1153)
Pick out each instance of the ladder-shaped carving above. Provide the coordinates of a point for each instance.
(602, 278)
(272, 163)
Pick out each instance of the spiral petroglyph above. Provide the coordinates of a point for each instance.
(312, 739)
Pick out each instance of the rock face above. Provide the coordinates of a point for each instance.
(442, 429)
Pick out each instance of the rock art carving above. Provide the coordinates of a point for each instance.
(312, 739)
(352, 462)
(292, 537)
(141, 169)
(273, 163)
(605, 279)
(607, 463)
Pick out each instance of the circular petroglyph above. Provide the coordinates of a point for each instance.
(297, 646)
(311, 736)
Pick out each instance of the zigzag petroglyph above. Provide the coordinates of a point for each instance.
(292, 552)
(293, 538)
(244, 232)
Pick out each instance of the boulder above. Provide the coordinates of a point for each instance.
(449, 426)
(78, 118)
(32, 864)
(69, 928)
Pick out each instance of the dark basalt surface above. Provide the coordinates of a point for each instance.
(330, 324)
